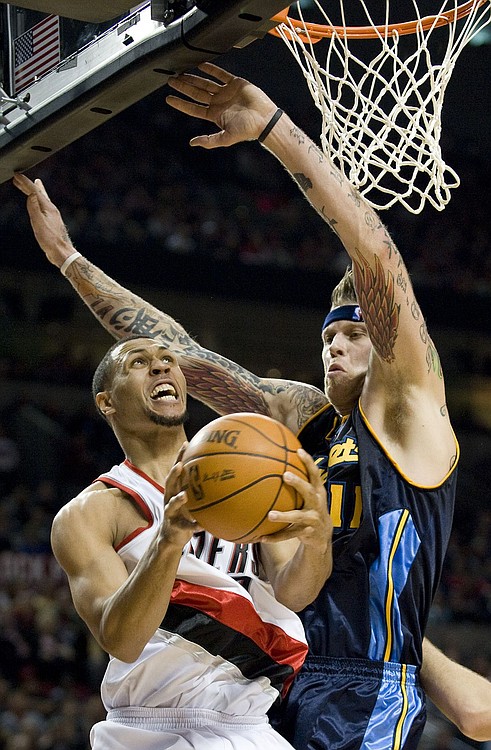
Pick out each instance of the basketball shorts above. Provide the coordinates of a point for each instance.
(353, 704)
(183, 729)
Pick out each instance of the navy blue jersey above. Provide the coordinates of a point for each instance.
(365, 628)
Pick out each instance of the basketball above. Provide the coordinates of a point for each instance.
(233, 473)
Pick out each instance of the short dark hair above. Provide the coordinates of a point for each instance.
(103, 375)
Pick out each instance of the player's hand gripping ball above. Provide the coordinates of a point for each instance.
(233, 473)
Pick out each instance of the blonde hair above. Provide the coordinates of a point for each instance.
(344, 292)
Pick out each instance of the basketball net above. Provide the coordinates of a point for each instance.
(381, 97)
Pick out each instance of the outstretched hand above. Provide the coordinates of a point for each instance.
(46, 221)
(240, 109)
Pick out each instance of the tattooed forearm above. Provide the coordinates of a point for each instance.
(217, 383)
(356, 197)
(119, 310)
(304, 182)
(330, 221)
(297, 134)
(87, 279)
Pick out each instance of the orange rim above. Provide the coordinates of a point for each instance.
(314, 32)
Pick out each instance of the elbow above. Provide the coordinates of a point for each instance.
(127, 657)
(119, 646)
(125, 652)
(475, 723)
(294, 601)
(297, 598)
(119, 639)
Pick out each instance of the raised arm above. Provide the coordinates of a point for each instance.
(244, 112)
(216, 381)
(462, 695)
(404, 378)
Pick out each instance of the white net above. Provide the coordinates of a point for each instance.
(381, 95)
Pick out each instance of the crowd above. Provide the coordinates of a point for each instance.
(228, 209)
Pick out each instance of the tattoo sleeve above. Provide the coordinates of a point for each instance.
(216, 381)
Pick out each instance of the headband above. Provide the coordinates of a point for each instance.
(345, 312)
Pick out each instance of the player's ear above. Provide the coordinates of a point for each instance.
(104, 403)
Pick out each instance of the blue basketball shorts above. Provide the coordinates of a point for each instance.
(352, 704)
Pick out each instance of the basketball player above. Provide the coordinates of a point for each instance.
(199, 647)
(380, 433)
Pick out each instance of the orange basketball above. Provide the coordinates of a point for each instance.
(233, 473)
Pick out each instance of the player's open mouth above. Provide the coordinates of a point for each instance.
(164, 392)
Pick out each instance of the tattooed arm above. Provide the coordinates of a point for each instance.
(404, 379)
(216, 381)
(243, 111)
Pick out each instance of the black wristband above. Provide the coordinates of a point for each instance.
(269, 127)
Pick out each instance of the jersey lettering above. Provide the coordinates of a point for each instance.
(342, 453)
(339, 471)
(231, 558)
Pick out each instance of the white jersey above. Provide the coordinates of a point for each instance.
(225, 644)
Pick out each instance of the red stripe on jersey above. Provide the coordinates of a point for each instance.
(238, 613)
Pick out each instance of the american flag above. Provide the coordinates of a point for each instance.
(36, 51)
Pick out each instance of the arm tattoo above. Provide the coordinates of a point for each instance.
(331, 222)
(306, 402)
(218, 382)
(222, 385)
(389, 242)
(415, 310)
(433, 360)
(402, 282)
(297, 134)
(356, 197)
(129, 320)
(304, 182)
(376, 295)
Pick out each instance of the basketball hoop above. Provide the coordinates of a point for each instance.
(380, 86)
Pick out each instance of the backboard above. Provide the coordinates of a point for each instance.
(67, 67)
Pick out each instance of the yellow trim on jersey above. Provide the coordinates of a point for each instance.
(396, 465)
(337, 420)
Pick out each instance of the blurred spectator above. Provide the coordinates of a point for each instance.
(9, 460)
(194, 203)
